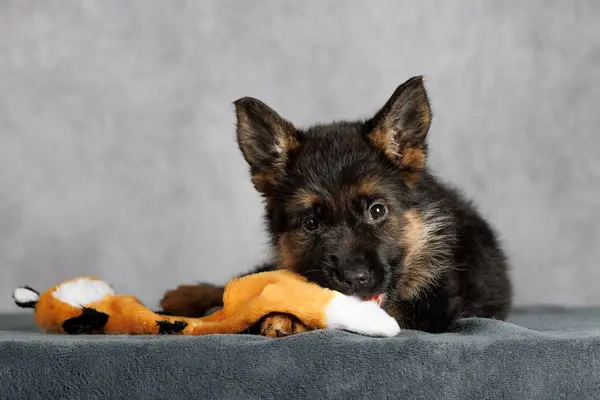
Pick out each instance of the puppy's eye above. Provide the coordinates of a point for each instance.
(310, 223)
(377, 211)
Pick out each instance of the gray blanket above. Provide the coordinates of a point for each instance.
(540, 354)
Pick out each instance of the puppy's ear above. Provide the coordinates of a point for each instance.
(265, 139)
(400, 127)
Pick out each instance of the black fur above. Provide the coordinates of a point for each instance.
(90, 321)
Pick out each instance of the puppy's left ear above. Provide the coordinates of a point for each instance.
(400, 127)
(266, 141)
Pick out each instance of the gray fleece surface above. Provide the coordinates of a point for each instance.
(541, 353)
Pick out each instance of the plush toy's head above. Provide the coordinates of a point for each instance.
(55, 307)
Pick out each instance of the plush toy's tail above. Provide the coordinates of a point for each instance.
(26, 297)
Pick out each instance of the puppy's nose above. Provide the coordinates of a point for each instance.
(356, 277)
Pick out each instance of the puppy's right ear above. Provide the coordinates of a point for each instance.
(265, 139)
(400, 127)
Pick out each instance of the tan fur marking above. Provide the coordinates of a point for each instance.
(384, 141)
(414, 271)
(368, 186)
(287, 256)
(411, 233)
(380, 139)
(412, 178)
(413, 156)
(285, 144)
(290, 142)
(305, 198)
(427, 247)
(425, 112)
(264, 180)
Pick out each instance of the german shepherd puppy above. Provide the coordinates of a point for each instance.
(354, 207)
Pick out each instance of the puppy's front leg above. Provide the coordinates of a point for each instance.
(279, 325)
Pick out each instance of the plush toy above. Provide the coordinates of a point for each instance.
(90, 305)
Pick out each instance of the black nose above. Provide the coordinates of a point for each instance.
(354, 277)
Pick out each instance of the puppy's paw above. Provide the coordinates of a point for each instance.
(280, 325)
(192, 300)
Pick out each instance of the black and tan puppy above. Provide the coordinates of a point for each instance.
(354, 207)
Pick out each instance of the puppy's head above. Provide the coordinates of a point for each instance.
(338, 196)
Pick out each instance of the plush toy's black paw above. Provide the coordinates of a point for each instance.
(90, 321)
(167, 328)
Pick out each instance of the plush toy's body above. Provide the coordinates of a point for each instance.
(90, 305)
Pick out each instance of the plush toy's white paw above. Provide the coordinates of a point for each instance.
(365, 317)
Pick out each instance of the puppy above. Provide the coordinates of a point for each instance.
(354, 207)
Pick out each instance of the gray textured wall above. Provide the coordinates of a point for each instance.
(117, 151)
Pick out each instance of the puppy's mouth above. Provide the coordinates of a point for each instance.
(378, 299)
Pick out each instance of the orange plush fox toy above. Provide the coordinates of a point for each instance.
(90, 305)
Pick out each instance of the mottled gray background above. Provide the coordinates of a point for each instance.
(117, 151)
